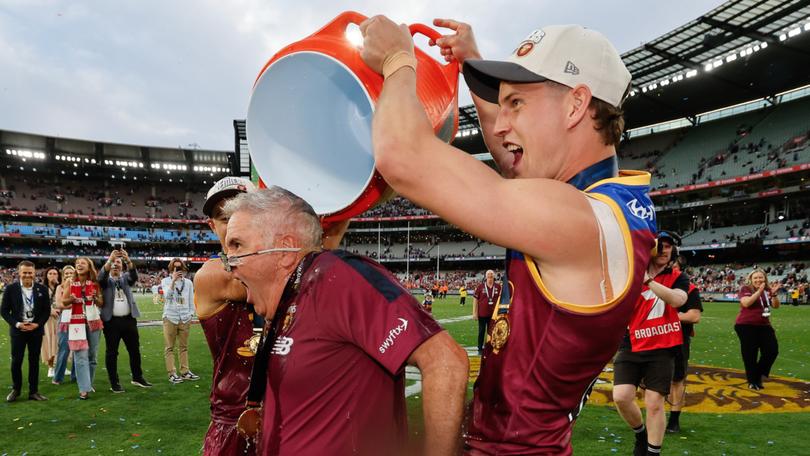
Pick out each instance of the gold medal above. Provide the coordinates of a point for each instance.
(500, 333)
(250, 347)
(249, 423)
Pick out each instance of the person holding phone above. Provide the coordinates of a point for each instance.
(119, 313)
(178, 309)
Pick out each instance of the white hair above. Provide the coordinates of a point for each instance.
(278, 212)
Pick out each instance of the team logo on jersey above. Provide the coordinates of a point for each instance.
(288, 319)
(389, 341)
(282, 346)
(640, 211)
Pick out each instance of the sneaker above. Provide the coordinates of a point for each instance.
(50, 372)
(191, 376)
(116, 388)
(640, 447)
(174, 378)
(754, 386)
(141, 382)
(67, 371)
(84, 396)
(673, 427)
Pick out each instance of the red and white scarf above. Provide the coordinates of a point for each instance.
(83, 311)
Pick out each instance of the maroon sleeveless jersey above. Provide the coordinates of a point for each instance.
(529, 393)
(227, 331)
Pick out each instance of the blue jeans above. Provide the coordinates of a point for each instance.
(62, 358)
(85, 362)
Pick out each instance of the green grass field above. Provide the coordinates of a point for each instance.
(172, 419)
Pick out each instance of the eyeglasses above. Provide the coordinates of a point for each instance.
(230, 262)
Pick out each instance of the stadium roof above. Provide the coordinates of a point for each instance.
(740, 51)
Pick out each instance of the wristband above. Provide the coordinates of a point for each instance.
(396, 61)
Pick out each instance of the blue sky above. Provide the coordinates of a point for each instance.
(174, 73)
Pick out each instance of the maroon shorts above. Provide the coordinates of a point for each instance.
(222, 439)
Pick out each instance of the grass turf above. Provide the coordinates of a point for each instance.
(172, 419)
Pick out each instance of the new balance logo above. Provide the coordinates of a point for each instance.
(570, 68)
(393, 334)
(282, 346)
(642, 212)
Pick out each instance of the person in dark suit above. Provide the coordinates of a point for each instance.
(26, 307)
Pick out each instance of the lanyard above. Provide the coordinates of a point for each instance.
(487, 291)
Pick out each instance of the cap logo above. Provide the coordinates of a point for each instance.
(524, 48)
(570, 68)
(536, 36)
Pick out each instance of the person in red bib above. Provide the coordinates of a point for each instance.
(648, 351)
(753, 327)
(578, 231)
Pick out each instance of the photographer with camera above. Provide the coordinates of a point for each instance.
(753, 327)
(178, 309)
(119, 314)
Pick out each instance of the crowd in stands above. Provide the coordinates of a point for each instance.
(75, 197)
(729, 278)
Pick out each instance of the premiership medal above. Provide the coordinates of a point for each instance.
(500, 333)
(249, 423)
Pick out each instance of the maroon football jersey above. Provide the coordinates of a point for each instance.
(528, 395)
(486, 297)
(336, 373)
(227, 332)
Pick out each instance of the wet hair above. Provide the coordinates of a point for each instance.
(277, 212)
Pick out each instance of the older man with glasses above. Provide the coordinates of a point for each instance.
(330, 370)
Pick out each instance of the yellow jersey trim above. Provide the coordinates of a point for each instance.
(628, 244)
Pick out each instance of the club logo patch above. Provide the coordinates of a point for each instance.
(524, 48)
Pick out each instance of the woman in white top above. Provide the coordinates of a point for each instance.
(63, 355)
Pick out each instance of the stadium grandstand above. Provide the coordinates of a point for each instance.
(718, 112)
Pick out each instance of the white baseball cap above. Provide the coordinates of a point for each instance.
(567, 54)
(225, 188)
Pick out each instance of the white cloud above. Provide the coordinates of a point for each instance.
(171, 73)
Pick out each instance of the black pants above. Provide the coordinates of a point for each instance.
(19, 342)
(116, 329)
(483, 325)
(753, 340)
